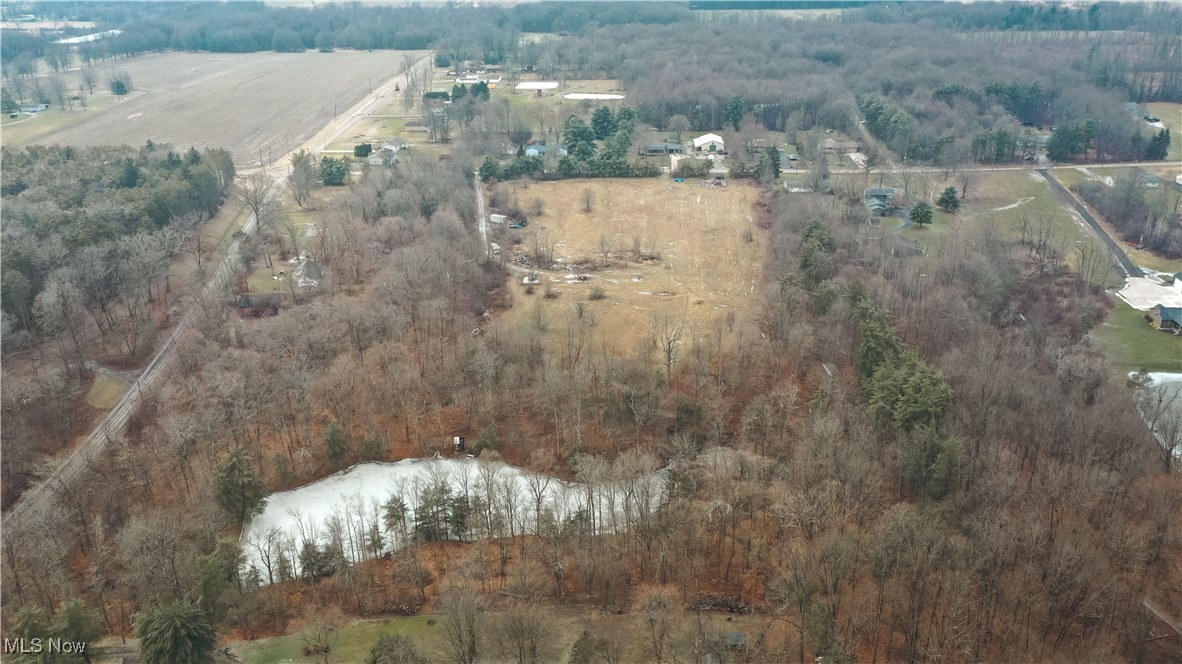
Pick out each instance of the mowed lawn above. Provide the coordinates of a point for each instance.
(257, 104)
(1131, 344)
(351, 643)
(1001, 198)
(1170, 115)
(706, 257)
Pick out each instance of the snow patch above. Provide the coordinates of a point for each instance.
(591, 95)
(1143, 294)
(1011, 206)
(537, 85)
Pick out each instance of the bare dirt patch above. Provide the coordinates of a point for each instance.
(650, 248)
(252, 104)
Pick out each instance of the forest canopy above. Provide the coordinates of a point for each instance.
(62, 204)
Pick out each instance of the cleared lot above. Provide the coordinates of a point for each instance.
(257, 104)
(665, 250)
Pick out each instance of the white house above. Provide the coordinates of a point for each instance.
(709, 143)
(383, 157)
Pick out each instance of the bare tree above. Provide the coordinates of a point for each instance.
(1094, 263)
(525, 634)
(669, 331)
(965, 177)
(463, 614)
(258, 193)
(88, 78)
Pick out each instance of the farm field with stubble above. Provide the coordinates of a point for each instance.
(250, 104)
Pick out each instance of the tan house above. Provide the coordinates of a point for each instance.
(831, 146)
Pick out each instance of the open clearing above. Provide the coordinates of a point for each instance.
(1001, 198)
(251, 104)
(106, 391)
(700, 267)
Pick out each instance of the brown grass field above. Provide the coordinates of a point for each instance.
(247, 103)
(706, 267)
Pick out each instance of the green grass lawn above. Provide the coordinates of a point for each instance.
(106, 391)
(1171, 117)
(352, 641)
(1131, 344)
(942, 222)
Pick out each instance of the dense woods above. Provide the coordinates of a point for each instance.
(879, 430)
(894, 455)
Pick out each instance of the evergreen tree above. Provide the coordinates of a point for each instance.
(734, 110)
(1159, 146)
(603, 122)
(212, 584)
(175, 633)
(76, 623)
(773, 156)
(336, 445)
(28, 624)
(130, 175)
(239, 490)
(333, 172)
(7, 103)
(585, 650)
(948, 200)
(490, 169)
(921, 214)
(626, 115)
(580, 139)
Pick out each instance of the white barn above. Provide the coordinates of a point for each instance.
(709, 143)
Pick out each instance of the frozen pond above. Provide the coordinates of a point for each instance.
(347, 513)
(537, 85)
(1161, 408)
(591, 95)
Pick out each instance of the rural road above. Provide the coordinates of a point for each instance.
(37, 497)
(1119, 254)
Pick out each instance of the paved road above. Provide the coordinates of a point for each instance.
(1119, 254)
(86, 453)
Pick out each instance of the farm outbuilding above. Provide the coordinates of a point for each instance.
(709, 143)
(662, 148)
(542, 150)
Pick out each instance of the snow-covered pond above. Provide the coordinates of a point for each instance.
(537, 85)
(592, 95)
(348, 513)
(1161, 408)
